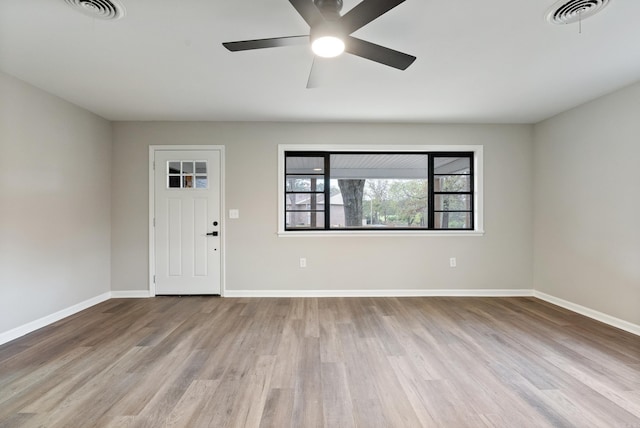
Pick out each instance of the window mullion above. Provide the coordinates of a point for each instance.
(327, 192)
(431, 192)
(472, 192)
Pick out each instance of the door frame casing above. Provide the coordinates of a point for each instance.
(152, 242)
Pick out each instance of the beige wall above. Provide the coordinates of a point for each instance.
(259, 260)
(55, 166)
(74, 208)
(587, 205)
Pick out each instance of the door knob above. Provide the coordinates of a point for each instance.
(212, 233)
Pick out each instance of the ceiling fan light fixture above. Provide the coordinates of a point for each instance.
(327, 46)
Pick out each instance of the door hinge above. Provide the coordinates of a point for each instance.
(154, 222)
(154, 279)
(154, 164)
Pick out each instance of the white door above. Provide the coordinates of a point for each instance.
(187, 221)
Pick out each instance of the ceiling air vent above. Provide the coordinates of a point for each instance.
(101, 9)
(568, 11)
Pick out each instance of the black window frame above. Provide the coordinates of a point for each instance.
(431, 193)
(326, 189)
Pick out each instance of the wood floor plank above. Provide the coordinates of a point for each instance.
(17, 420)
(221, 405)
(288, 353)
(307, 403)
(249, 406)
(331, 362)
(278, 410)
(336, 396)
(412, 382)
(367, 408)
(192, 403)
(388, 388)
(330, 345)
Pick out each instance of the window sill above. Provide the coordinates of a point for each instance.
(377, 234)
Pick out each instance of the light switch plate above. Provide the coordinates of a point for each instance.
(234, 214)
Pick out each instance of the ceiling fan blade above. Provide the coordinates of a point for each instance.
(378, 53)
(365, 12)
(313, 81)
(308, 10)
(275, 42)
(320, 72)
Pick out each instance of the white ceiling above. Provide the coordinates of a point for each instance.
(492, 61)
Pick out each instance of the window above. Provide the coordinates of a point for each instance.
(370, 191)
(452, 191)
(187, 175)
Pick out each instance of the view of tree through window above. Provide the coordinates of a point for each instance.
(396, 203)
(378, 191)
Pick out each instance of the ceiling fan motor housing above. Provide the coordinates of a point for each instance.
(327, 28)
(330, 9)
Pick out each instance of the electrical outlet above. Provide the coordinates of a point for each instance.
(452, 262)
(303, 262)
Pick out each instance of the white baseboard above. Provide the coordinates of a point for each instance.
(378, 293)
(591, 313)
(17, 332)
(130, 294)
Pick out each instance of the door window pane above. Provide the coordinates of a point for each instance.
(201, 182)
(187, 167)
(201, 167)
(174, 167)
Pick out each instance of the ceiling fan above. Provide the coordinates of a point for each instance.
(331, 34)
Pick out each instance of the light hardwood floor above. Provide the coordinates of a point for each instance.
(333, 362)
